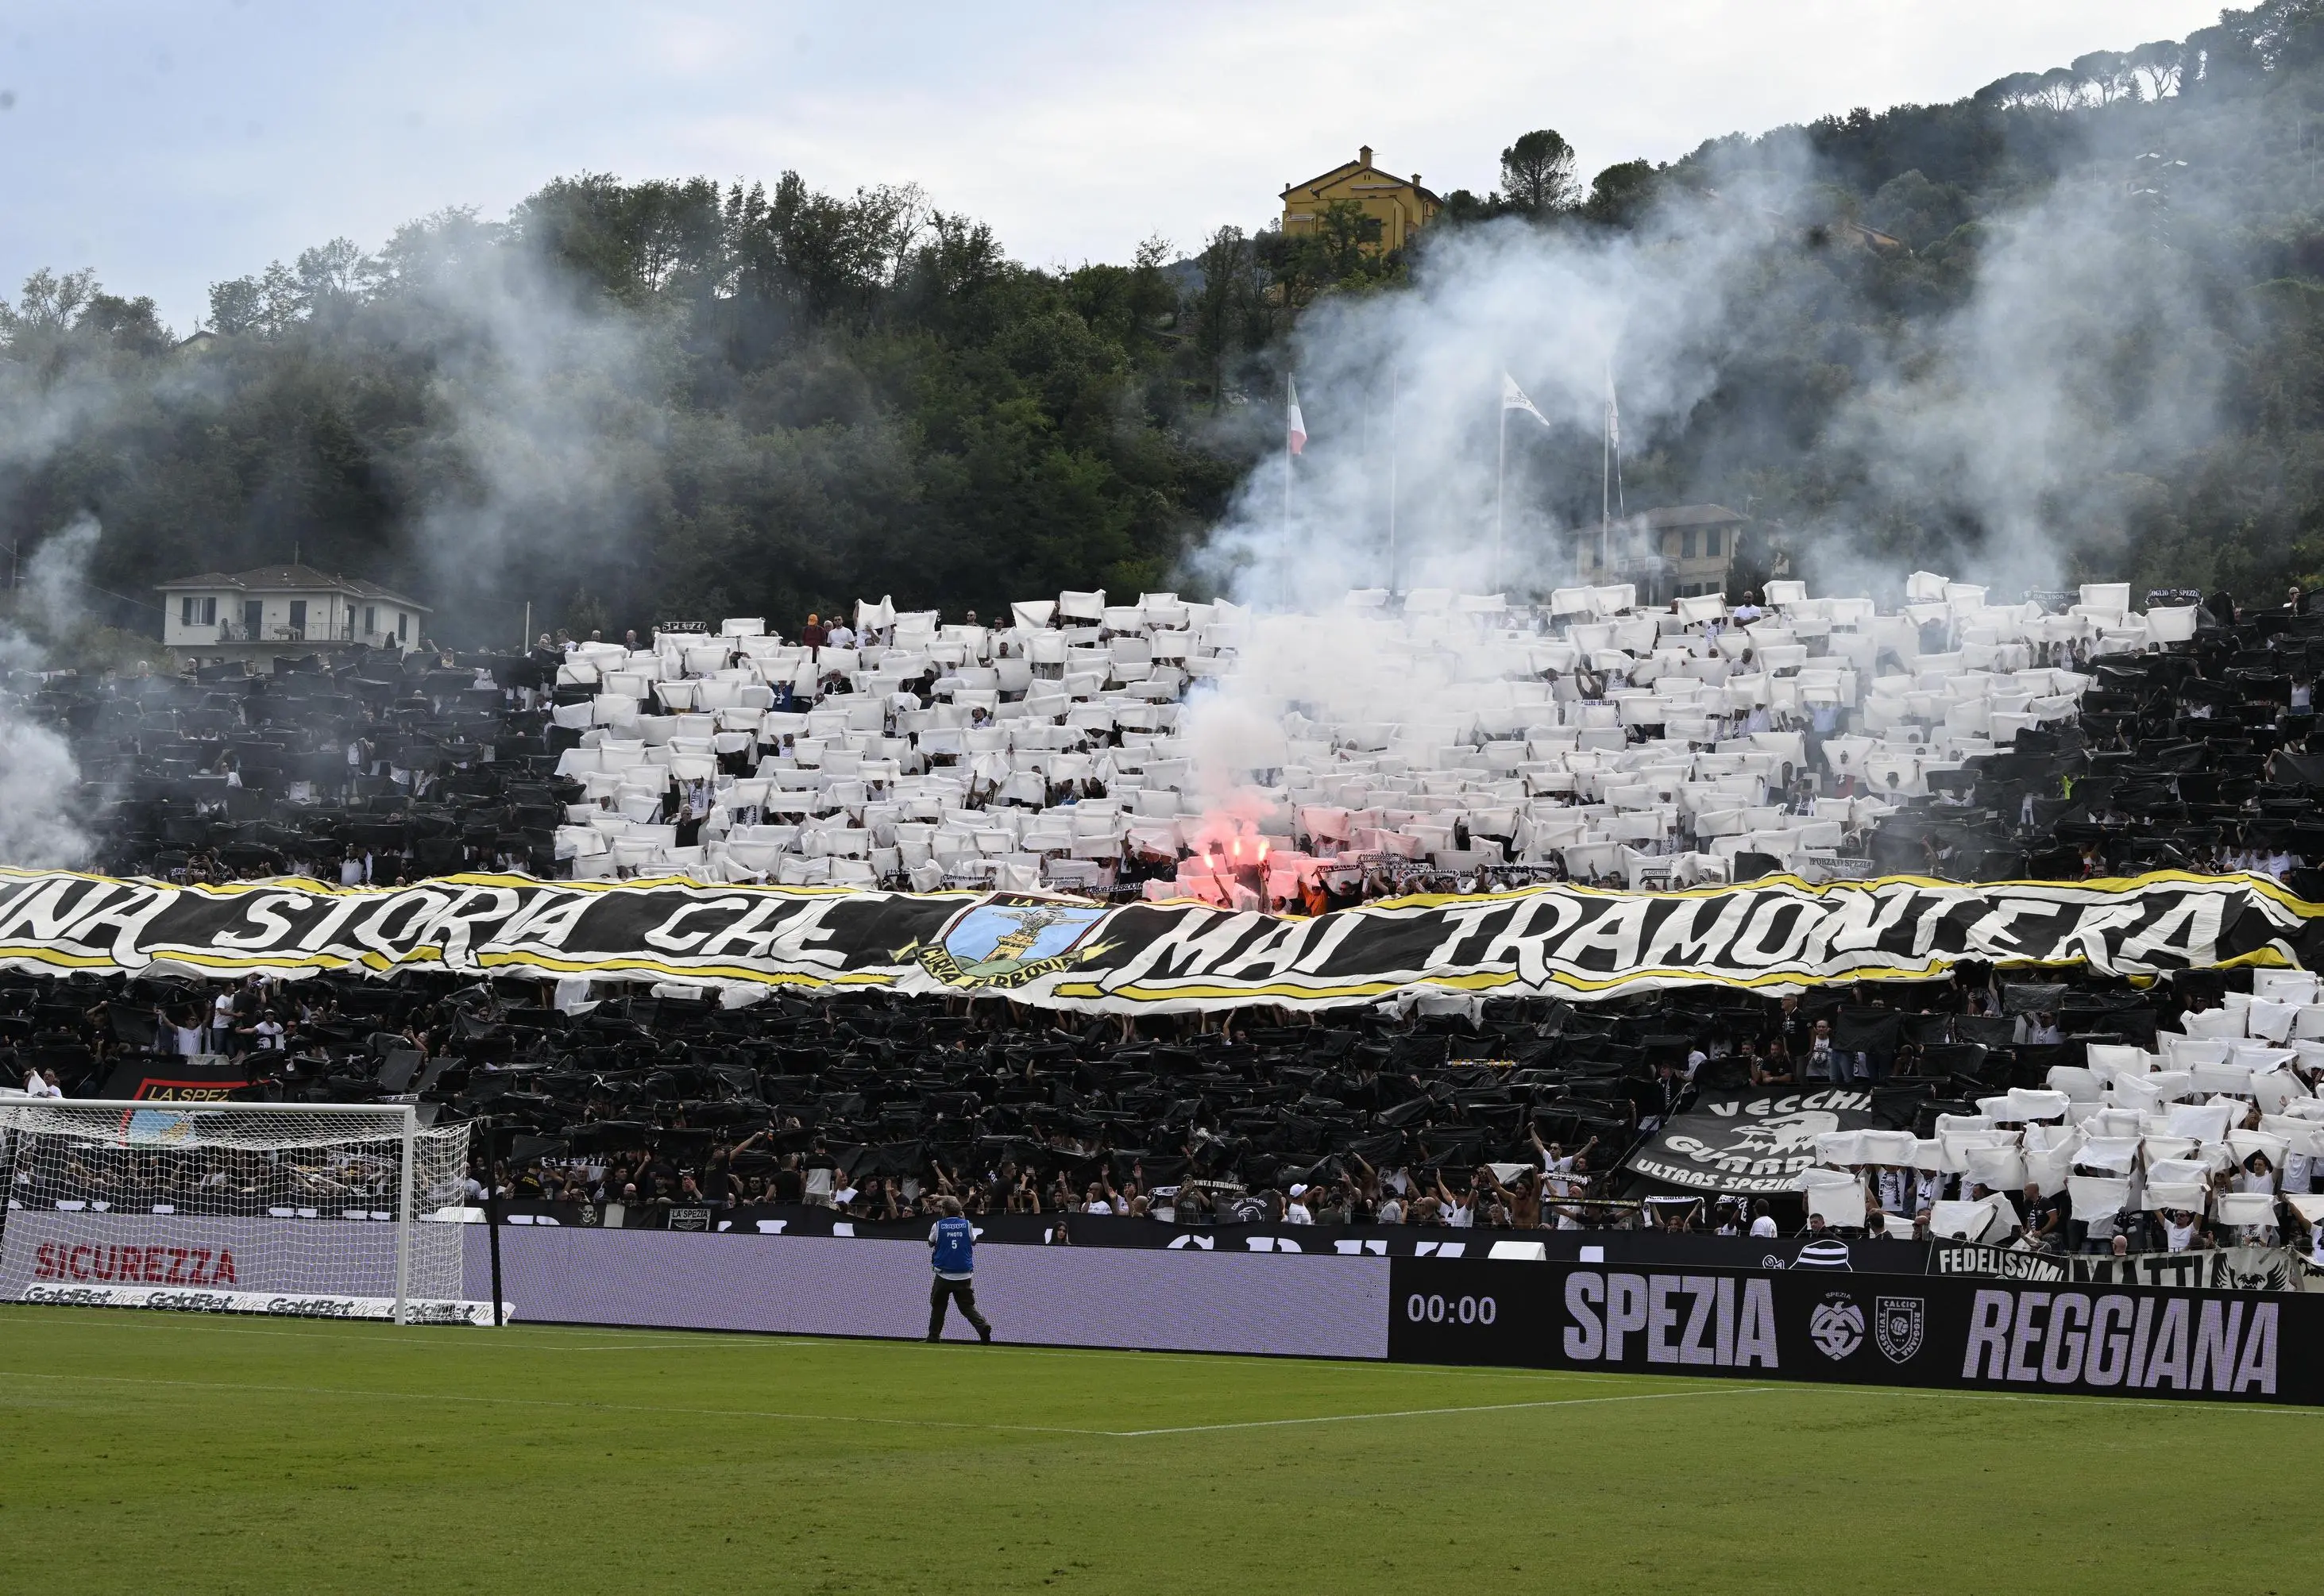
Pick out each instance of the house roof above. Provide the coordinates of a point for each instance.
(1356, 168)
(1693, 515)
(293, 579)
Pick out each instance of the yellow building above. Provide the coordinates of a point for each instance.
(1400, 205)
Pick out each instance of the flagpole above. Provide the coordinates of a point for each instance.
(1614, 438)
(1605, 495)
(1500, 495)
(1395, 378)
(1283, 585)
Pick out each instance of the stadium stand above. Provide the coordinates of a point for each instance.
(1585, 739)
(1582, 739)
(2173, 1117)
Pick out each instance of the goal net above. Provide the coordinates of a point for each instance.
(340, 1211)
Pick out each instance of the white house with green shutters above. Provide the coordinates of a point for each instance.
(281, 610)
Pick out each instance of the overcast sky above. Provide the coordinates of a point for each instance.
(170, 145)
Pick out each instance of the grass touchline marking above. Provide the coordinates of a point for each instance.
(562, 1338)
(867, 1419)
(1264, 1424)
(325, 1391)
(509, 1339)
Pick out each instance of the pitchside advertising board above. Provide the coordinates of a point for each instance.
(1775, 935)
(2002, 1335)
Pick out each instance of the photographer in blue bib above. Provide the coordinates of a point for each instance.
(951, 1242)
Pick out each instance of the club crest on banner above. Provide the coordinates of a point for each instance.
(157, 1127)
(1837, 1327)
(1897, 1325)
(1009, 941)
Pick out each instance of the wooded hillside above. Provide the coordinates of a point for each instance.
(630, 402)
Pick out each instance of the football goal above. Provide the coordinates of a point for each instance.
(316, 1210)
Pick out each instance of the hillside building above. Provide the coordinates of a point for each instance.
(253, 616)
(1400, 206)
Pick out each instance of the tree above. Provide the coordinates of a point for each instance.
(270, 303)
(1341, 251)
(1463, 207)
(641, 400)
(1215, 313)
(234, 305)
(738, 398)
(133, 323)
(1538, 174)
(330, 270)
(1621, 194)
(2157, 66)
(2062, 88)
(2108, 73)
(1911, 207)
(48, 303)
(1134, 305)
(2017, 89)
(633, 240)
(2227, 58)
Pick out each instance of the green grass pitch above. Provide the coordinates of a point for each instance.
(143, 1452)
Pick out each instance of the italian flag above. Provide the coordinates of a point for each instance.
(1295, 426)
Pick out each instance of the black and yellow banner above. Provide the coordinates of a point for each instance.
(1775, 935)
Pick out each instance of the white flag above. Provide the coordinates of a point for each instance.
(1513, 398)
(1613, 413)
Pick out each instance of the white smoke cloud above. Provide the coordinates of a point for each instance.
(1997, 443)
(1558, 313)
(542, 455)
(55, 579)
(40, 780)
(1997, 438)
(2084, 354)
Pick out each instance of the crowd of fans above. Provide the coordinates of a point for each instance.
(2019, 1126)
(1589, 738)
(1586, 737)
(2204, 1130)
(1449, 743)
(370, 767)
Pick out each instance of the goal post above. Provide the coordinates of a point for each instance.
(313, 1210)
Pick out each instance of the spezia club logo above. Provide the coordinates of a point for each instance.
(1008, 941)
(1837, 1325)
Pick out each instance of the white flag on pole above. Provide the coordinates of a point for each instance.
(1613, 412)
(1513, 398)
